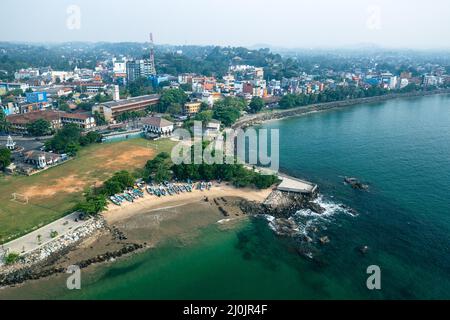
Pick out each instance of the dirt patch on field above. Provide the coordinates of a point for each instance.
(133, 157)
(67, 184)
(108, 159)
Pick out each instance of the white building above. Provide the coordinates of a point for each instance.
(120, 67)
(212, 128)
(61, 75)
(158, 125)
(26, 73)
(403, 83)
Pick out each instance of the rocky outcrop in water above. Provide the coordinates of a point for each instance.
(282, 204)
(356, 184)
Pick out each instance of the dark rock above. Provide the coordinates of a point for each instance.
(324, 240)
(364, 249)
(356, 184)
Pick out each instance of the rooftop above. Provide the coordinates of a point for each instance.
(157, 122)
(49, 115)
(120, 103)
(25, 118)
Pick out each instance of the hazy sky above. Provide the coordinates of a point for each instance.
(288, 23)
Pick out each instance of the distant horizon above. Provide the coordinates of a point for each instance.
(356, 46)
(290, 24)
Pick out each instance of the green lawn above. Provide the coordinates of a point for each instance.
(53, 193)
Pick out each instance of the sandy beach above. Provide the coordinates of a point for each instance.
(115, 214)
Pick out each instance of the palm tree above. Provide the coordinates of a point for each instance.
(4, 124)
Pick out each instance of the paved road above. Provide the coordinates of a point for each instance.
(30, 242)
(26, 143)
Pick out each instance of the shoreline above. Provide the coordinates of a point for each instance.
(133, 228)
(278, 114)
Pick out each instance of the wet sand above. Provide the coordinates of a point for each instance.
(147, 222)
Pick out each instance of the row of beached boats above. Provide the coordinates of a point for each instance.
(129, 195)
(168, 189)
(164, 189)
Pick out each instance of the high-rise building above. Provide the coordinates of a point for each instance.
(133, 71)
(139, 69)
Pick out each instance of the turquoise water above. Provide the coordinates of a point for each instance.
(400, 147)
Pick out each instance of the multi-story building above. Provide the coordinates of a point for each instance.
(110, 110)
(192, 108)
(57, 119)
(6, 86)
(19, 122)
(431, 80)
(24, 74)
(83, 120)
(136, 69)
(92, 87)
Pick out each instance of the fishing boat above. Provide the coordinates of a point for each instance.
(132, 194)
(115, 201)
(138, 192)
(128, 197)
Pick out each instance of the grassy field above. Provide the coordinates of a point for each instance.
(53, 193)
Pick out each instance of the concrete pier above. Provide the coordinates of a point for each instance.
(290, 184)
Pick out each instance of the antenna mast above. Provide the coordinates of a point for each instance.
(152, 56)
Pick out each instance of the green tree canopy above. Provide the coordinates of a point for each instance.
(4, 124)
(86, 106)
(159, 169)
(119, 182)
(204, 116)
(99, 119)
(93, 204)
(5, 158)
(170, 97)
(256, 105)
(65, 140)
(40, 127)
(229, 110)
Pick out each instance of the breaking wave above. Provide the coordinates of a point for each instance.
(309, 224)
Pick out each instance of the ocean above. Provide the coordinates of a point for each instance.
(400, 148)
